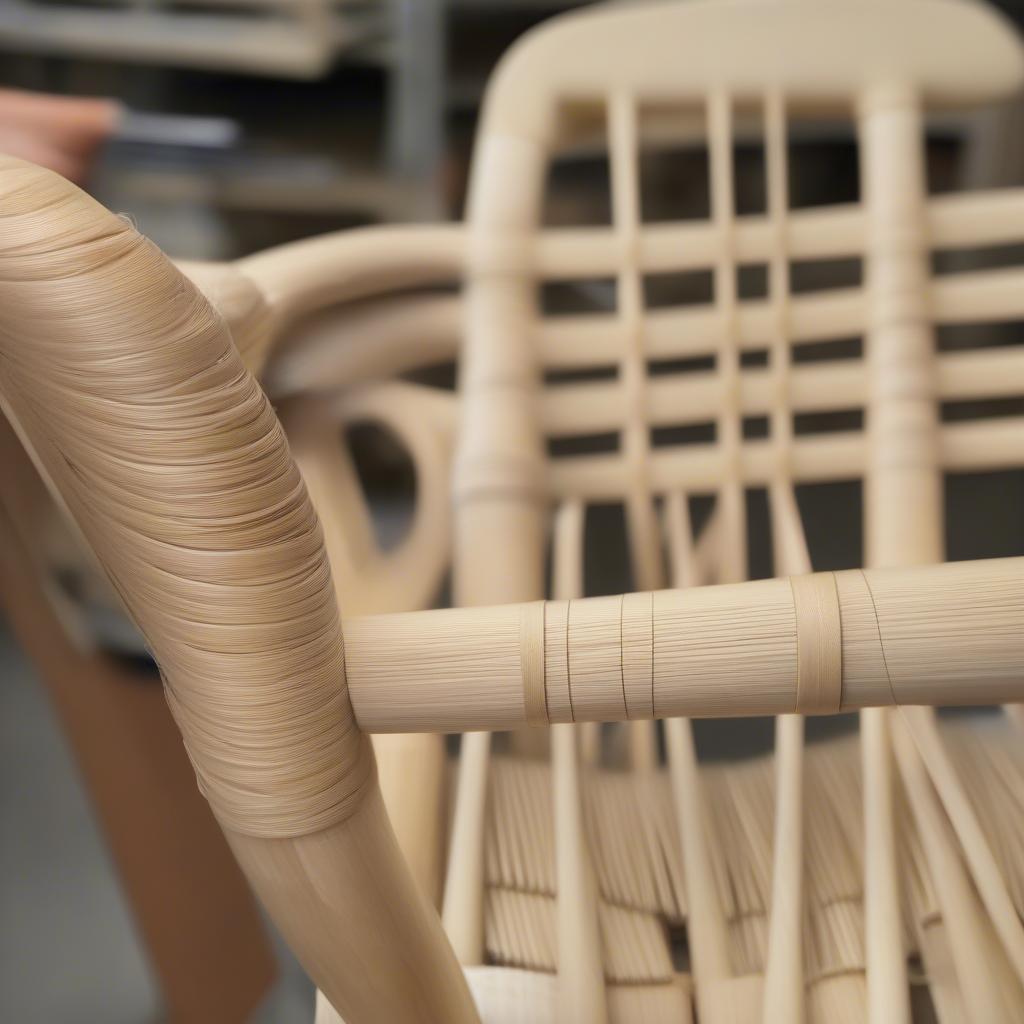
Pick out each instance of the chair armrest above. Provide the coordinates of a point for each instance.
(942, 635)
(305, 276)
(263, 295)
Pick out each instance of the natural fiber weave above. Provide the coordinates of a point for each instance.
(172, 461)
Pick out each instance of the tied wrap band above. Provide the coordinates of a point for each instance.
(532, 649)
(819, 644)
(560, 647)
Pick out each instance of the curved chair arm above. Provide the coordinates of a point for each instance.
(238, 299)
(942, 635)
(374, 340)
(305, 276)
(263, 295)
(411, 768)
(170, 458)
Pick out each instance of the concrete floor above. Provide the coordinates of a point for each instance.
(68, 949)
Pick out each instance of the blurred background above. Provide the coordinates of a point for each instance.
(241, 124)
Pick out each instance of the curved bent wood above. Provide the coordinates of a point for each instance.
(965, 56)
(412, 767)
(304, 276)
(170, 459)
(263, 295)
(407, 577)
(372, 341)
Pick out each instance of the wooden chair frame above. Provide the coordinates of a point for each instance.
(790, 59)
(146, 778)
(821, 642)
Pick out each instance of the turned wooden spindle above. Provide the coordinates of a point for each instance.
(499, 498)
(904, 512)
(902, 481)
(582, 998)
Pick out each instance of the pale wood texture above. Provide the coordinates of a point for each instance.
(462, 910)
(409, 575)
(580, 968)
(411, 769)
(903, 516)
(581, 975)
(510, 996)
(334, 272)
(933, 635)
(497, 494)
(902, 481)
(297, 797)
(796, 57)
(899, 633)
(310, 886)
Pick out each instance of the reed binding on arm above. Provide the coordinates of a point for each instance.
(125, 384)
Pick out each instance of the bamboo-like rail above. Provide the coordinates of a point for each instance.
(951, 634)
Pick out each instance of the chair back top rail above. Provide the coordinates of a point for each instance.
(953, 53)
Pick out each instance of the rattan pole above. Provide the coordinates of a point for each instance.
(499, 501)
(904, 520)
(940, 635)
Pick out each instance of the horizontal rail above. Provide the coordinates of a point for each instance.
(305, 276)
(575, 409)
(972, 446)
(830, 232)
(943, 635)
(581, 340)
(302, 277)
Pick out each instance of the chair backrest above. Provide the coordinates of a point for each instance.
(631, 385)
(648, 403)
(125, 385)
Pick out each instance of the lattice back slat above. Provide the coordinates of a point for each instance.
(729, 430)
(635, 443)
(784, 993)
(641, 404)
(777, 171)
(968, 297)
(641, 517)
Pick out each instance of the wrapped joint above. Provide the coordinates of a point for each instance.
(602, 652)
(819, 644)
(509, 477)
(638, 654)
(532, 652)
